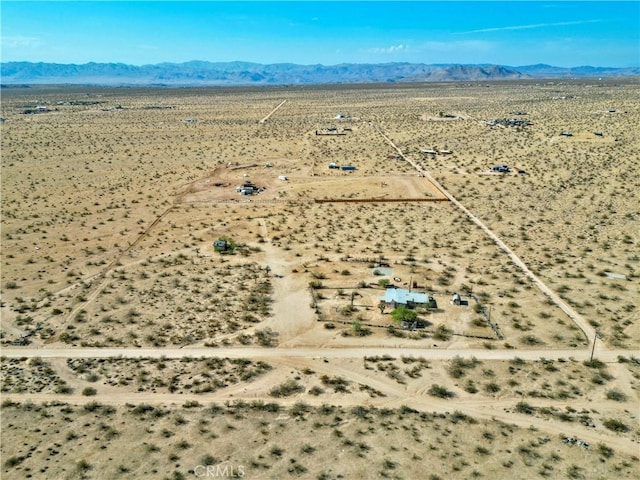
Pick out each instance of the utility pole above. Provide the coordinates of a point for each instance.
(594, 346)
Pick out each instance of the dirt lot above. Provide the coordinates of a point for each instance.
(111, 202)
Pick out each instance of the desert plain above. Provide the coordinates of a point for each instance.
(132, 348)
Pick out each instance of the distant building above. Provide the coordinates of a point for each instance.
(400, 297)
(500, 169)
(333, 165)
(566, 134)
(348, 167)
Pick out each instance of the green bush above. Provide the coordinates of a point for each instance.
(616, 395)
(286, 389)
(89, 391)
(616, 425)
(440, 392)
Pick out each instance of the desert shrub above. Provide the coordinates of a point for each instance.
(492, 387)
(306, 448)
(524, 407)
(605, 450)
(183, 445)
(209, 459)
(459, 366)
(266, 337)
(530, 340)
(594, 363)
(299, 409)
(297, 469)
(442, 333)
(83, 466)
(470, 387)
(440, 392)
(13, 462)
(616, 395)
(276, 451)
(480, 450)
(616, 425)
(286, 389)
(315, 391)
(89, 391)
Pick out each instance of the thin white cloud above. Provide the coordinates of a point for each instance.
(526, 27)
(387, 50)
(20, 41)
(465, 45)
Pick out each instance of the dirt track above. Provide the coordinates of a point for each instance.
(308, 352)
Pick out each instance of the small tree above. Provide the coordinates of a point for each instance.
(403, 315)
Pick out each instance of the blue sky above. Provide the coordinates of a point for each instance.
(329, 32)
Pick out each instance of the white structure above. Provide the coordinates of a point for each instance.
(400, 297)
(456, 300)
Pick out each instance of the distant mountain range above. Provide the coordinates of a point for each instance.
(244, 73)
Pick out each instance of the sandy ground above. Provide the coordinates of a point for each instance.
(110, 209)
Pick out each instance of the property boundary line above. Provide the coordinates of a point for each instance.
(378, 200)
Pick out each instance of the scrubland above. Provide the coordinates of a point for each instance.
(111, 202)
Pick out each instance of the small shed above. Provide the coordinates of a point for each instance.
(348, 167)
(333, 165)
(456, 300)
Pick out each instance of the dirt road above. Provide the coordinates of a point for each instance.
(273, 111)
(259, 353)
(292, 313)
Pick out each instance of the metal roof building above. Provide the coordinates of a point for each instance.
(401, 296)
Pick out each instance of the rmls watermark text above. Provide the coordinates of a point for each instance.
(224, 470)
